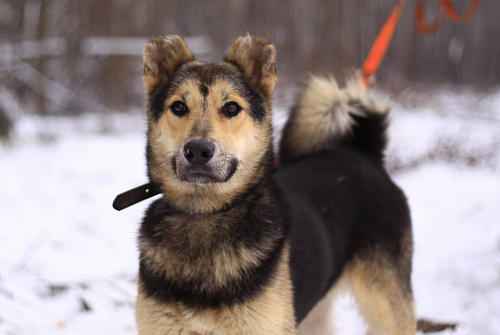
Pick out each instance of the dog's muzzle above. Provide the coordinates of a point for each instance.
(203, 162)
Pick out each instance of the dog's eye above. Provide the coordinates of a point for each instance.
(179, 108)
(232, 109)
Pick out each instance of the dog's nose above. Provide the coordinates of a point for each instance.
(198, 152)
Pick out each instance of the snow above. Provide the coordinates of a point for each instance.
(68, 261)
(62, 242)
(457, 245)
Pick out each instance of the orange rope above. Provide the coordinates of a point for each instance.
(444, 6)
(383, 40)
(450, 10)
(423, 27)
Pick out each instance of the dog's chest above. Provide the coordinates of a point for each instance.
(270, 312)
(267, 314)
(173, 319)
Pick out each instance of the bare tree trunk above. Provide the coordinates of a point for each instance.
(40, 66)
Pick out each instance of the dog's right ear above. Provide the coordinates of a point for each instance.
(255, 56)
(162, 56)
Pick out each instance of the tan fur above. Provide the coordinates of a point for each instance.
(385, 303)
(323, 113)
(272, 310)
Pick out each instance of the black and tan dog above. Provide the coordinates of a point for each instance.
(235, 247)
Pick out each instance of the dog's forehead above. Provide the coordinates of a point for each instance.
(207, 77)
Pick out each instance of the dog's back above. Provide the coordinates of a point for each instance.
(350, 223)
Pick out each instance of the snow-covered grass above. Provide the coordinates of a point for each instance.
(68, 261)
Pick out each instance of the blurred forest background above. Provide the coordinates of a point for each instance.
(62, 57)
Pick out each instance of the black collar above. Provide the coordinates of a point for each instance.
(135, 195)
(146, 191)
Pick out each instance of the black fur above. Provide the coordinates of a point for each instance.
(233, 166)
(368, 134)
(341, 203)
(157, 103)
(204, 90)
(255, 100)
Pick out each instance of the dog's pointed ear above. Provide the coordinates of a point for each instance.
(162, 56)
(256, 58)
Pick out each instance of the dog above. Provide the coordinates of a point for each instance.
(238, 246)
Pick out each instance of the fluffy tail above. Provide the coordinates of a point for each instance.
(326, 116)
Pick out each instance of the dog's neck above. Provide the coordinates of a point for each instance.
(228, 206)
(239, 245)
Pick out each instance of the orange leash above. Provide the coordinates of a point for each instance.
(383, 40)
(381, 44)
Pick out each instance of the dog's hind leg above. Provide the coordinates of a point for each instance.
(321, 320)
(383, 293)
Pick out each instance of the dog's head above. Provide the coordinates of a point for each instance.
(209, 134)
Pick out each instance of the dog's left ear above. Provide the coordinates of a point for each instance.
(255, 56)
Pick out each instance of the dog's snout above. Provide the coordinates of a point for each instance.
(198, 151)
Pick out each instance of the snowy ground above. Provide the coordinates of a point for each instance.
(68, 261)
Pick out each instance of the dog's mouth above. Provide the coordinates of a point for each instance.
(219, 171)
(199, 176)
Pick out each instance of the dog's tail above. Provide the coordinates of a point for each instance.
(326, 117)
